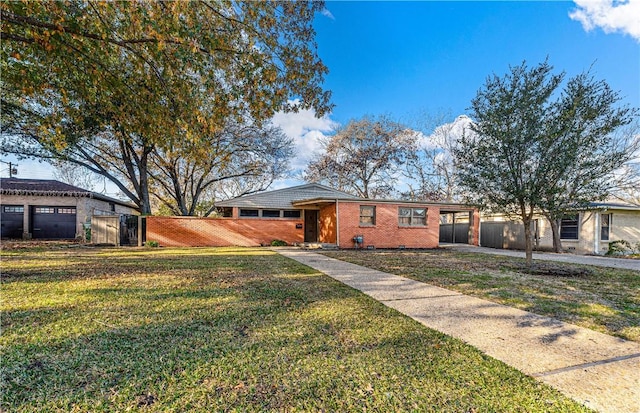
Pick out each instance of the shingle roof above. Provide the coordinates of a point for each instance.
(49, 187)
(283, 198)
(38, 186)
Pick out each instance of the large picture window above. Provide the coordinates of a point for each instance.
(412, 217)
(367, 215)
(569, 227)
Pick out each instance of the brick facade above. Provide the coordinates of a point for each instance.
(338, 222)
(222, 232)
(387, 233)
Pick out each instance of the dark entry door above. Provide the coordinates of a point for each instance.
(310, 225)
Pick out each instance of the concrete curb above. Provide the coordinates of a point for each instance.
(598, 370)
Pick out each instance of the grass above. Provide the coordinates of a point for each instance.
(603, 299)
(111, 330)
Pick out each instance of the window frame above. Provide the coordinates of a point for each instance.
(607, 227)
(563, 227)
(365, 217)
(412, 219)
(297, 214)
(271, 211)
(242, 214)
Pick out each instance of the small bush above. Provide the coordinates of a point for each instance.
(620, 247)
(152, 244)
(278, 243)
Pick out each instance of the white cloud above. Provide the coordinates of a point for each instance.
(446, 135)
(306, 130)
(325, 12)
(610, 15)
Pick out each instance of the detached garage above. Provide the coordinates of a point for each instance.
(48, 209)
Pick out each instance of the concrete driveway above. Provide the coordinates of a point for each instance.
(621, 263)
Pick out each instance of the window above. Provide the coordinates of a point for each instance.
(14, 209)
(45, 210)
(367, 215)
(249, 213)
(291, 214)
(225, 212)
(271, 213)
(412, 217)
(66, 210)
(569, 227)
(605, 224)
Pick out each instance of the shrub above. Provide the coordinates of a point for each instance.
(620, 247)
(152, 244)
(278, 243)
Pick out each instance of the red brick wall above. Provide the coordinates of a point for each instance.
(387, 233)
(327, 226)
(221, 232)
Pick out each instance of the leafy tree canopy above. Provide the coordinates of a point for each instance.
(535, 148)
(142, 75)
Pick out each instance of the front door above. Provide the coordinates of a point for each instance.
(310, 225)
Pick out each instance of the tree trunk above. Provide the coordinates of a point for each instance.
(555, 230)
(528, 241)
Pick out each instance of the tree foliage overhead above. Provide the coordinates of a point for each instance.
(239, 160)
(364, 157)
(138, 76)
(532, 149)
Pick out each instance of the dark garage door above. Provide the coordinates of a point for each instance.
(11, 221)
(53, 222)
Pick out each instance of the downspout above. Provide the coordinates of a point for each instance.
(596, 234)
(337, 225)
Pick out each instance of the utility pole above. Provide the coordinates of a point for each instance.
(12, 169)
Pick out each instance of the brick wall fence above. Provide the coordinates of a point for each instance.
(221, 232)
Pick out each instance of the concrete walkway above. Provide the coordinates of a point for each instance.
(598, 370)
(622, 263)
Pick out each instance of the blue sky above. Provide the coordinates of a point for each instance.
(405, 59)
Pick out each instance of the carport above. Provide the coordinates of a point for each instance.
(457, 226)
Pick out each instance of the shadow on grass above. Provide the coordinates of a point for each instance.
(273, 335)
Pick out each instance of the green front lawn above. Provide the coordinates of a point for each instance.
(227, 330)
(603, 299)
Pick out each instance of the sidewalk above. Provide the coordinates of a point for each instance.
(621, 263)
(600, 371)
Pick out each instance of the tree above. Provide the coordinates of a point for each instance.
(583, 149)
(188, 183)
(525, 147)
(148, 75)
(74, 175)
(430, 172)
(364, 157)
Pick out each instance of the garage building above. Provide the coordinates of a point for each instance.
(48, 209)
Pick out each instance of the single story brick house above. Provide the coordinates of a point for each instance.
(314, 214)
(587, 231)
(49, 209)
